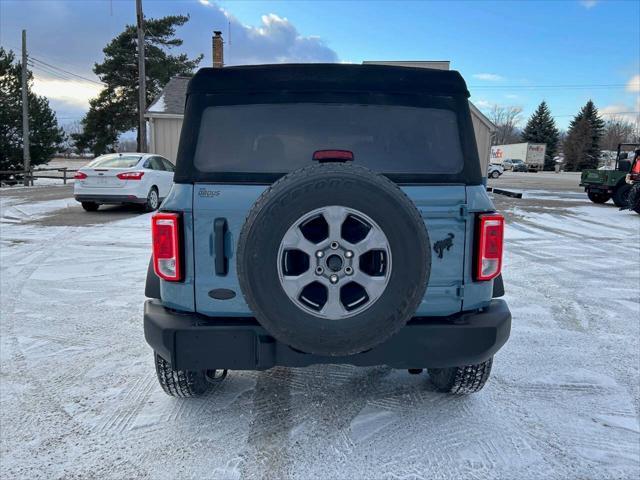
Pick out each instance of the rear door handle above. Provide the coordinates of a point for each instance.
(219, 233)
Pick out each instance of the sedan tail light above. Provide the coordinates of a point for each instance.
(165, 232)
(80, 176)
(490, 236)
(130, 175)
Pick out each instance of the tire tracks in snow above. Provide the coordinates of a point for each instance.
(267, 454)
(18, 364)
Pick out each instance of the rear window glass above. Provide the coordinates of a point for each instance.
(278, 138)
(115, 161)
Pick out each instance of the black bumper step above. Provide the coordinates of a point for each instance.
(196, 342)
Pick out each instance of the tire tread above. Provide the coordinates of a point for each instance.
(180, 383)
(462, 380)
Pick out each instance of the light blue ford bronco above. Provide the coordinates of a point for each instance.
(326, 214)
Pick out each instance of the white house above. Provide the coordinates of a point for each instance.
(165, 116)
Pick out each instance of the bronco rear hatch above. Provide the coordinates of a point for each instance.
(411, 125)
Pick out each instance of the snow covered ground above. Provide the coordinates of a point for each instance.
(79, 398)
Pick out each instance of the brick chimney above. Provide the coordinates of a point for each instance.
(218, 54)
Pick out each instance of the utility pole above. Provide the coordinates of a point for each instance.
(26, 155)
(142, 87)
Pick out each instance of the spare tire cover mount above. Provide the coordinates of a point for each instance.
(327, 279)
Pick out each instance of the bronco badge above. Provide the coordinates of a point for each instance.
(445, 244)
(203, 192)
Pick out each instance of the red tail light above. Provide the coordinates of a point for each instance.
(80, 176)
(130, 175)
(489, 247)
(165, 232)
(339, 155)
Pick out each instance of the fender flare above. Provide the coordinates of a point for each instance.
(152, 287)
(498, 287)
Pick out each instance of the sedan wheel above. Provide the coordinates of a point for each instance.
(153, 200)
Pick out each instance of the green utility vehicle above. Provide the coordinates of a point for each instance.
(601, 185)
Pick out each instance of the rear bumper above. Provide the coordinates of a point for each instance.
(110, 199)
(195, 342)
(598, 188)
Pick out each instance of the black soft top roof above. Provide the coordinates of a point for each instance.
(328, 77)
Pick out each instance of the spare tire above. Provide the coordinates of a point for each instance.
(333, 259)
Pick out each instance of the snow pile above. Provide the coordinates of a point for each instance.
(12, 211)
(563, 400)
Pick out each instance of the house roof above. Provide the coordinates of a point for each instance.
(482, 117)
(170, 102)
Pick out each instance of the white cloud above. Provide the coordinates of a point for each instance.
(488, 77)
(588, 4)
(70, 92)
(483, 104)
(275, 40)
(625, 112)
(634, 84)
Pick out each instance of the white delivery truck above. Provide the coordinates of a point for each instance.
(532, 154)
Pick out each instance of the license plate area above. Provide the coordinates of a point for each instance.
(100, 181)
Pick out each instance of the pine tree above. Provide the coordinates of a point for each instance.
(576, 146)
(596, 130)
(115, 110)
(541, 128)
(45, 137)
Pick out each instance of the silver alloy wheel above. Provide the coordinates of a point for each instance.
(153, 199)
(334, 264)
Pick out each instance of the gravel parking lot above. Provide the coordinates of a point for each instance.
(79, 397)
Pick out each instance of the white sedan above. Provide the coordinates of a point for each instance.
(495, 170)
(124, 178)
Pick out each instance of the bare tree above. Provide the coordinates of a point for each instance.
(618, 130)
(127, 145)
(68, 146)
(506, 119)
(562, 136)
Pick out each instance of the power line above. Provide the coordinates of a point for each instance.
(476, 87)
(601, 114)
(62, 70)
(49, 71)
(65, 71)
(567, 87)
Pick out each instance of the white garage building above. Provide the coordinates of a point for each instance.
(166, 112)
(164, 117)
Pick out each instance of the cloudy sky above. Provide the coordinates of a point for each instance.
(510, 53)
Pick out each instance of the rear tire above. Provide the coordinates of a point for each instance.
(495, 174)
(634, 198)
(461, 380)
(153, 200)
(183, 383)
(621, 195)
(90, 206)
(597, 197)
